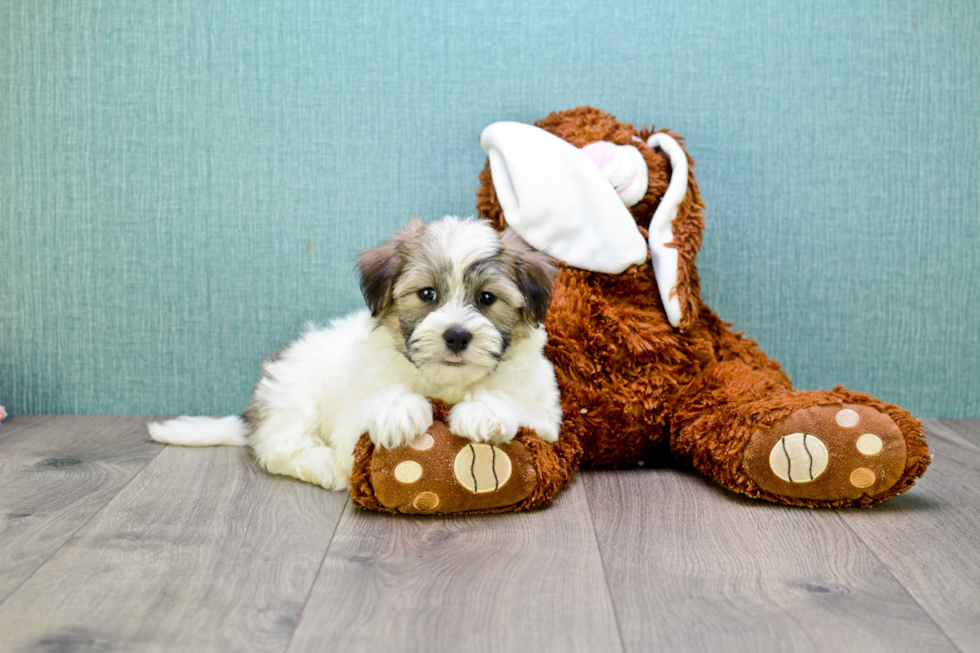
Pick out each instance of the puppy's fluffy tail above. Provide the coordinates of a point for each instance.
(201, 431)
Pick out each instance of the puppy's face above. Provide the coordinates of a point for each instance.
(456, 295)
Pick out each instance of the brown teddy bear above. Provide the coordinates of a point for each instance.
(644, 366)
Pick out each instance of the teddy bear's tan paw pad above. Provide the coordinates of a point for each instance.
(828, 453)
(441, 473)
(482, 468)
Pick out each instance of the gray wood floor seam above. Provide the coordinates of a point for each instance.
(56, 473)
(203, 552)
(694, 567)
(302, 610)
(109, 541)
(929, 541)
(605, 574)
(515, 582)
(898, 580)
(75, 532)
(941, 429)
(968, 428)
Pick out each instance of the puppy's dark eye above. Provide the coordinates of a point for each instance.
(428, 295)
(486, 298)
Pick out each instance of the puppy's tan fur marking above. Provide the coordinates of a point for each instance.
(459, 260)
(381, 266)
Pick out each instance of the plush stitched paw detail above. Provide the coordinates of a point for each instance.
(828, 453)
(439, 472)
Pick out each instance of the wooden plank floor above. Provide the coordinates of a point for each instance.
(110, 542)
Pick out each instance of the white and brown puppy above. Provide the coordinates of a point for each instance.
(455, 312)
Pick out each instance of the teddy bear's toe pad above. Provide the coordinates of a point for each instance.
(442, 473)
(827, 453)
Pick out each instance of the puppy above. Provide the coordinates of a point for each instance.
(454, 313)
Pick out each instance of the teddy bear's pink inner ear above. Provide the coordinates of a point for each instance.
(623, 166)
(601, 152)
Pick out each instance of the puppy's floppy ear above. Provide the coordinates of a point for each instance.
(532, 272)
(380, 267)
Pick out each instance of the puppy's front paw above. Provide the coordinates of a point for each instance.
(485, 420)
(399, 418)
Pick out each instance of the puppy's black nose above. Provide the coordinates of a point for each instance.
(456, 339)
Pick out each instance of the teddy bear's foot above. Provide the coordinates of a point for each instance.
(440, 473)
(443, 473)
(829, 453)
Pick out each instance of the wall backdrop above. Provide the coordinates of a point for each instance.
(183, 185)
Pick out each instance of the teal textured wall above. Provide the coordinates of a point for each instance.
(184, 184)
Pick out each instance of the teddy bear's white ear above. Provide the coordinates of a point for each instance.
(664, 258)
(556, 198)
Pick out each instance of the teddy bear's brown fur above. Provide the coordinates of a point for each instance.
(633, 386)
(630, 382)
